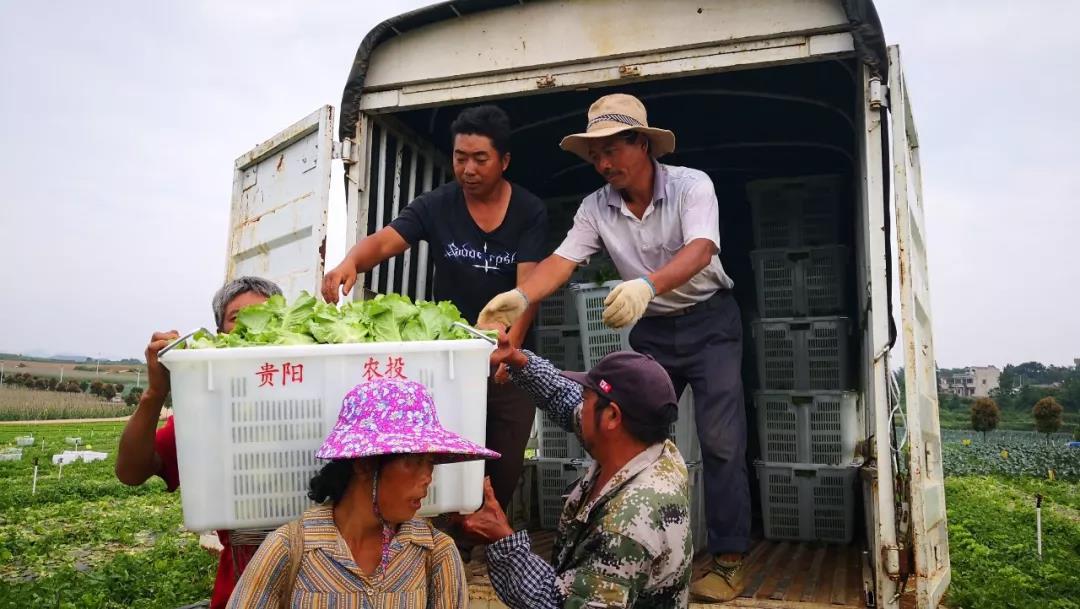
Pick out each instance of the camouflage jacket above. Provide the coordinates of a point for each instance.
(628, 547)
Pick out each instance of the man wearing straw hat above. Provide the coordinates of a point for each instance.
(660, 225)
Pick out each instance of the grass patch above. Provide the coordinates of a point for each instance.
(85, 539)
(20, 404)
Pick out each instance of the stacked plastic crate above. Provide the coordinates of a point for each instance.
(807, 420)
(597, 339)
(561, 458)
(557, 335)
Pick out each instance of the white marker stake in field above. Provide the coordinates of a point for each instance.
(1038, 524)
(33, 486)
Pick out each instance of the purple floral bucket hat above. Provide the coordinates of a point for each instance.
(389, 417)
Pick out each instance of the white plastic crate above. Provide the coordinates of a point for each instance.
(557, 310)
(597, 339)
(796, 212)
(800, 282)
(73, 441)
(556, 478)
(71, 456)
(11, 454)
(249, 420)
(683, 431)
(819, 427)
(808, 502)
(24, 441)
(561, 345)
(803, 354)
(554, 442)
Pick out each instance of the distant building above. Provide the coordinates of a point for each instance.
(972, 382)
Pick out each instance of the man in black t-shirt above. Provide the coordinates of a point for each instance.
(486, 235)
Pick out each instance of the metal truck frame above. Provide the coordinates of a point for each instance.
(543, 58)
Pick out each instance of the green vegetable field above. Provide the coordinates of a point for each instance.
(85, 540)
(992, 543)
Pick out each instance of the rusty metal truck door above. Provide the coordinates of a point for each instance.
(929, 535)
(281, 189)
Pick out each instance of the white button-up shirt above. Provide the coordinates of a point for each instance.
(683, 208)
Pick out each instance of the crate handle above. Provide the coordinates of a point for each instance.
(476, 333)
(800, 400)
(172, 345)
(802, 325)
(800, 255)
(805, 473)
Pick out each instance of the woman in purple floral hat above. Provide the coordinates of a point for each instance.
(362, 546)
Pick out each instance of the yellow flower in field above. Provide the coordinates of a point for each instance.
(1004, 454)
(966, 441)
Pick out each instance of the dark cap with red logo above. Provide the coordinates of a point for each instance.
(637, 382)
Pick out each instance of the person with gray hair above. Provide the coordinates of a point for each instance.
(228, 294)
(146, 451)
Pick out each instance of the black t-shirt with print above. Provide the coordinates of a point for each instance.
(472, 266)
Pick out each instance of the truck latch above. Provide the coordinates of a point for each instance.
(898, 562)
(346, 150)
(877, 94)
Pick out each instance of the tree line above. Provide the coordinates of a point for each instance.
(104, 390)
(1047, 413)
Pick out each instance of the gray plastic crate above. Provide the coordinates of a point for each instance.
(819, 427)
(800, 282)
(557, 309)
(808, 502)
(597, 340)
(522, 513)
(683, 431)
(796, 212)
(554, 442)
(561, 345)
(699, 529)
(803, 354)
(556, 478)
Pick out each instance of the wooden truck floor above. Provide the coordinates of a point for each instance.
(779, 575)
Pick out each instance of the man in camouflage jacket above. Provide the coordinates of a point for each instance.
(624, 533)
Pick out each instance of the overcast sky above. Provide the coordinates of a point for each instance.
(121, 123)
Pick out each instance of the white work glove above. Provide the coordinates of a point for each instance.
(503, 310)
(627, 302)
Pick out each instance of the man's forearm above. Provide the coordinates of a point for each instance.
(690, 260)
(372, 250)
(522, 579)
(364, 256)
(553, 393)
(548, 276)
(136, 459)
(520, 329)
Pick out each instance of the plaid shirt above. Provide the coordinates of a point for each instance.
(629, 546)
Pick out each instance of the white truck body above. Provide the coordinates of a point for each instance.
(776, 86)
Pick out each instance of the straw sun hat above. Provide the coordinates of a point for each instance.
(616, 113)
